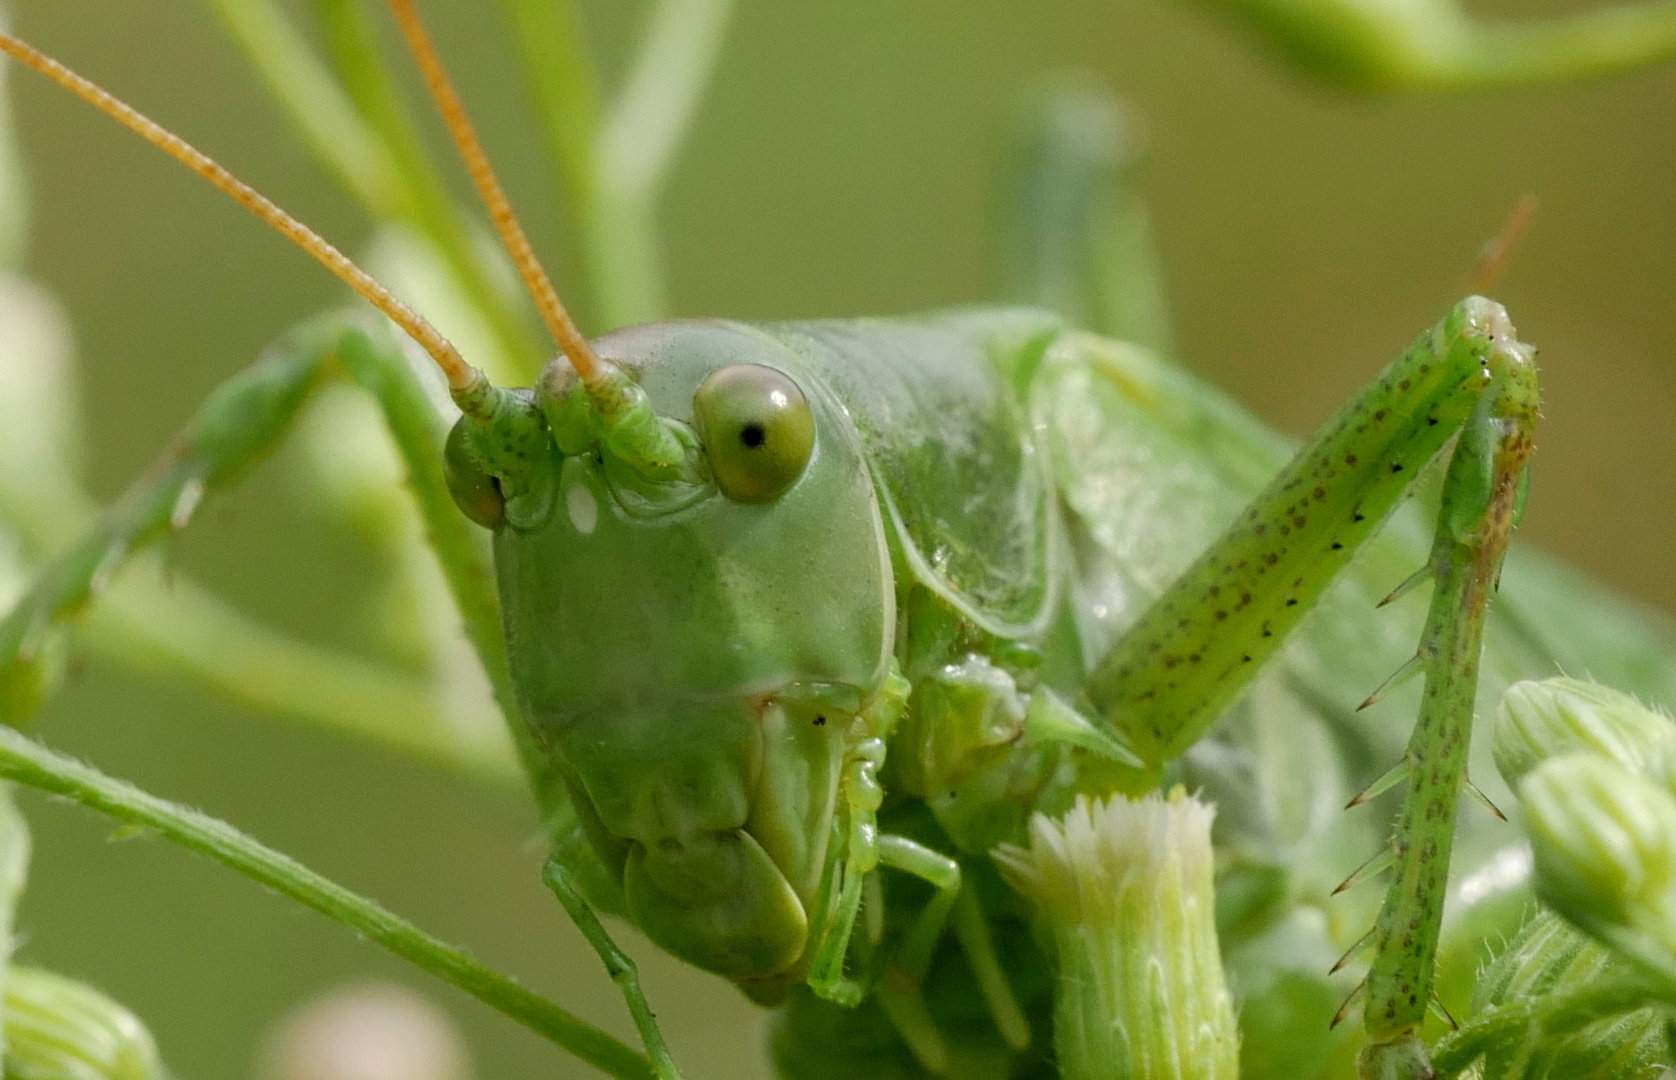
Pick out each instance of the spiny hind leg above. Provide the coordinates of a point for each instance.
(1199, 645)
(1480, 503)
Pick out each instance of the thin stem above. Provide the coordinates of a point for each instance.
(637, 142)
(517, 243)
(1077, 238)
(461, 375)
(1438, 45)
(352, 48)
(28, 762)
(1602, 41)
(183, 629)
(315, 102)
(414, 425)
(560, 81)
(651, 117)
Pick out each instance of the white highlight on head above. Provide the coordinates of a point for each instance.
(584, 511)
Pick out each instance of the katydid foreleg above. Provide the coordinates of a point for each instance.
(236, 426)
(242, 420)
(860, 798)
(899, 990)
(943, 873)
(618, 965)
(243, 417)
(898, 985)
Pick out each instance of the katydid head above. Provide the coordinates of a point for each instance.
(693, 646)
(694, 575)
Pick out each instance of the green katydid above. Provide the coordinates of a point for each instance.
(784, 604)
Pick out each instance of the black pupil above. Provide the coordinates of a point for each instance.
(752, 435)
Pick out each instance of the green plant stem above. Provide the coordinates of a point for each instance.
(28, 762)
(15, 847)
(352, 49)
(612, 167)
(638, 140)
(1078, 239)
(416, 429)
(184, 630)
(315, 102)
(1552, 1013)
(363, 138)
(1436, 45)
(560, 81)
(1588, 44)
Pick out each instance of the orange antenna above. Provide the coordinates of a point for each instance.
(571, 342)
(1497, 251)
(461, 375)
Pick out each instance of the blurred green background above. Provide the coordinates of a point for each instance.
(843, 165)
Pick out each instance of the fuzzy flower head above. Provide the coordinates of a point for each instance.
(1126, 890)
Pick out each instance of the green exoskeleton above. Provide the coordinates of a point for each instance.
(724, 653)
(786, 606)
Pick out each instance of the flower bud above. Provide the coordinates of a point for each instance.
(377, 1032)
(1631, 1046)
(1125, 890)
(1602, 1038)
(1605, 846)
(1540, 720)
(60, 1029)
(1545, 954)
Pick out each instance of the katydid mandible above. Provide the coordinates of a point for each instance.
(768, 590)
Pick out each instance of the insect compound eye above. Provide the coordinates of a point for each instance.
(475, 492)
(757, 429)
